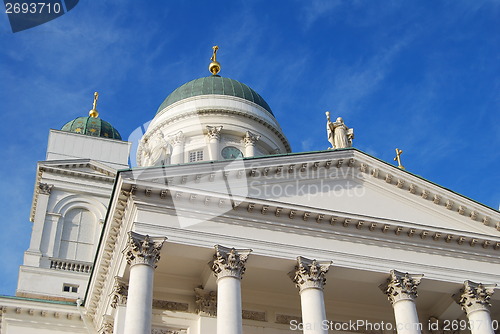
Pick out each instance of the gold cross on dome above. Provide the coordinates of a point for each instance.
(96, 96)
(398, 158)
(214, 56)
(93, 113)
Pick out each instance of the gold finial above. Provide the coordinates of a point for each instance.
(214, 66)
(93, 112)
(398, 158)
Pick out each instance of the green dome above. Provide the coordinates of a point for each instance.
(218, 85)
(92, 126)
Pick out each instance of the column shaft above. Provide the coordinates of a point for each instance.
(140, 300)
(480, 322)
(177, 154)
(313, 311)
(229, 305)
(405, 313)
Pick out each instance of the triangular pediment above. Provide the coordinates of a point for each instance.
(342, 181)
(78, 167)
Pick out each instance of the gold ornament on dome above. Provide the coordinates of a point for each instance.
(93, 112)
(214, 66)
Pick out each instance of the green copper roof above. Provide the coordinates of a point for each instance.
(215, 84)
(91, 126)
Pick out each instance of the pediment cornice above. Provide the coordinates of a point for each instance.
(300, 166)
(76, 168)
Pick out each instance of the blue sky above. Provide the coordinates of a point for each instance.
(422, 76)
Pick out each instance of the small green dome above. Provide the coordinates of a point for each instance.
(92, 126)
(216, 85)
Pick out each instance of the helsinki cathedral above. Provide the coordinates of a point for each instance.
(222, 229)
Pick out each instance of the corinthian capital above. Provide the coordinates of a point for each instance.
(229, 261)
(250, 138)
(213, 132)
(309, 273)
(400, 286)
(119, 294)
(176, 139)
(142, 250)
(206, 302)
(475, 296)
(45, 188)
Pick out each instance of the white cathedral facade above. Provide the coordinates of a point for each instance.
(221, 229)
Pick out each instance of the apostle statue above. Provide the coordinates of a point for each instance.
(155, 150)
(339, 135)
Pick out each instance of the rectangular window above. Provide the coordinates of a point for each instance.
(195, 156)
(70, 288)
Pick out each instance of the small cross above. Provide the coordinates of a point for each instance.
(214, 56)
(94, 105)
(398, 158)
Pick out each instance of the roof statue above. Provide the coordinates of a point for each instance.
(93, 112)
(214, 66)
(339, 135)
(398, 158)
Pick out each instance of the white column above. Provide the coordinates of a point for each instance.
(474, 299)
(228, 266)
(213, 134)
(309, 277)
(142, 255)
(177, 142)
(401, 289)
(250, 139)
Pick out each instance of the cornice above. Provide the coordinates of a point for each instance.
(220, 112)
(39, 308)
(101, 281)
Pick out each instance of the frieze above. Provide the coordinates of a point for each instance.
(287, 319)
(170, 305)
(254, 315)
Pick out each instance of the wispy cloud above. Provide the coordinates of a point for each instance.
(314, 10)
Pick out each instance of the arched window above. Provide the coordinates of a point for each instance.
(78, 234)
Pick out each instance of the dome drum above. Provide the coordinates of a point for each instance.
(211, 118)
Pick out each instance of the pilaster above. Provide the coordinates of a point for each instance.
(177, 142)
(249, 140)
(213, 136)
